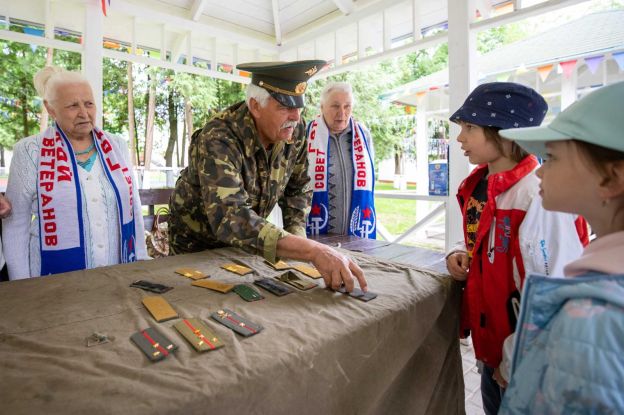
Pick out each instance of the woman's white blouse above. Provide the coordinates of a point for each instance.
(20, 231)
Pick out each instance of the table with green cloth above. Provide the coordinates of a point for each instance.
(321, 352)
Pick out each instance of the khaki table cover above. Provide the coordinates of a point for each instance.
(320, 352)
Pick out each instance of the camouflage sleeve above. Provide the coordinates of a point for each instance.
(230, 216)
(297, 198)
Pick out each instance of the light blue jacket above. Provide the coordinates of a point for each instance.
(569, 351)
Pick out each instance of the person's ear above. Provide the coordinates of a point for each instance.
(613, 187)
(254, 108)
(49, 108)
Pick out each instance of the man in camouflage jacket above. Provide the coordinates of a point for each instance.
(246, 160)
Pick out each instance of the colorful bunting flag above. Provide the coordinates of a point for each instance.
(567, 67)
(420, 96)
(619, 58)
(593, 63)
(104, 5)
(544, 71)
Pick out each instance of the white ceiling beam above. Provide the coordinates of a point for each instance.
(276, 22)
(360, 40)
(149, 14)
(49, 20)
(133, 33)
(40, 41)
(178, 44)
(197, 9)
(424, 43)
(213, 54)
(163, 42)
(345, 6)
(235, 59)
(416, 20)
(189, 49)
(335, 24)
(524, 13)
(387, 37)
(114, 54)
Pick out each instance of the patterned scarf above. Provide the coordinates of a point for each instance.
(61, 226)
(362, 216)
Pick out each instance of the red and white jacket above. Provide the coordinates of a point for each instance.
(515, 237)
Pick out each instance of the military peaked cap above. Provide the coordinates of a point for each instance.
(285, 81)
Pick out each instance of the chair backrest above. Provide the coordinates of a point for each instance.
(152, 198)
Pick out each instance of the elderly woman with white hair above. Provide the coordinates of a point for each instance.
(343, 200)
(75, 202)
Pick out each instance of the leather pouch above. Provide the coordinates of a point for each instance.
(291, 278)
(159, 308)
(198, 335)
(214, 285)
(236, 322)
(154, 344)
(247, 293)
(273, 286)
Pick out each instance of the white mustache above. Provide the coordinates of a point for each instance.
(288, 124)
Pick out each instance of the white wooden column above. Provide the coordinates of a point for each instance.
(422, 148)
(93, 54)
(416, 20)
(462, 79)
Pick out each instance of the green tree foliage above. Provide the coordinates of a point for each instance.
(19, 104)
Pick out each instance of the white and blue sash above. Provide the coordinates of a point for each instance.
(61, 225)
(362, 218)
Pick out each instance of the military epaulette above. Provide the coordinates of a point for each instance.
(154, 344)
(196, 333)
(236, 322)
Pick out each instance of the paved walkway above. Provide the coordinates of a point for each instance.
(472, 381)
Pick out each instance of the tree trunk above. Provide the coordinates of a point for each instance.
(178, 156)
(2, 156)
(398, 165)
(43, 123)
(188, 116)
(24, 106)
(149, 125)
(173, 129)
(134, 152)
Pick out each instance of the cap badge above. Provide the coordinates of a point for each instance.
(300, 88)
(311, 71)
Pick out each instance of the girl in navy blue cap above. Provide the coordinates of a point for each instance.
(507, 233)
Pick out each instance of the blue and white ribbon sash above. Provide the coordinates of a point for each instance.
(362, 218)
(61, 225)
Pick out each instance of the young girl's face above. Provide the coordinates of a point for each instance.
(476, 146)
(567, 182)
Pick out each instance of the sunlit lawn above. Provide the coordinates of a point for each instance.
(395, 214)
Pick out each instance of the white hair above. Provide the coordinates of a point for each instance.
(48, 80)
(337, 86)
(260, 94)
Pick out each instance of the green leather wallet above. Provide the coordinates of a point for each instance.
(247, 293)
